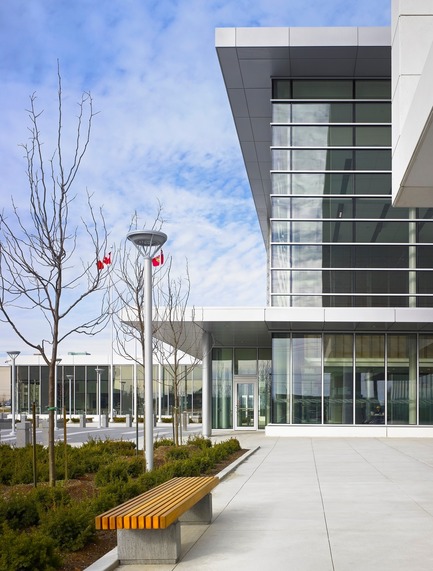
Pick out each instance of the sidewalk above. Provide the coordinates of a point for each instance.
(302, 504)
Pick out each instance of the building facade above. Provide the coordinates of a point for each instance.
(345, 344)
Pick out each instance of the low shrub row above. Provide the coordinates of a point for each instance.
(39, 524)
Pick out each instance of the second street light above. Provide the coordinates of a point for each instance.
(99, 371)
(149, 242)
(13, 355)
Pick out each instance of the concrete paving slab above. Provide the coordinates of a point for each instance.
(318, 504)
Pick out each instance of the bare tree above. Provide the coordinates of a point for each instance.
(51, 254)
(179, 337)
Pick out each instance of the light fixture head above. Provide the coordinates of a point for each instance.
(149, 241)
(13, 354)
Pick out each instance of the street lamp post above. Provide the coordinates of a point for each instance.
(99, 371)
(70, 377)
(13, 355)
(149, 242)
(55, 393)
(122, 385)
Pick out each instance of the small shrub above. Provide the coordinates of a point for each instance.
(19, 511)
(71, 527)
(27, 551)
(178, 453)
(163, 442)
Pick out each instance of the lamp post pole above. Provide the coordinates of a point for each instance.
(70, 377)
(98, 394)
(55, 393)
(13, 355)
(149, 242)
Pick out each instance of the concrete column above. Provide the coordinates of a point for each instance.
(23, 434)
(207, 385)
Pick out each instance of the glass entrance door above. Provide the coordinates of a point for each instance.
(245, 405)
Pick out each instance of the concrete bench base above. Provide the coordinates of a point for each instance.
(160, 546)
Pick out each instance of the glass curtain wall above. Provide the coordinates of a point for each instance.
(77, 389)
(345, 378)
(336, 240)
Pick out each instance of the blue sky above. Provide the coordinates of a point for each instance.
(164, 129)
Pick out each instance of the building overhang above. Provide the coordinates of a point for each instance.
(251, 57)
(254, 327)
(412, 104)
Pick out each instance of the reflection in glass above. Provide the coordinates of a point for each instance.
(338, 379)
(307, 379)
(245, 405)
(370, 379)
(426, 379)
(222, 378)
(281, 345)
(402, 366)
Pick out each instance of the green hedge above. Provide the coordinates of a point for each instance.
(38, 526)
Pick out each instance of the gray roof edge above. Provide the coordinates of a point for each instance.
(260, 37)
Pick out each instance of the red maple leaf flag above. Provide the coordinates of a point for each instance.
(100, 265)
(107, 259)
(158, 260)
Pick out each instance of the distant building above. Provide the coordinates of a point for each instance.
(77, 389)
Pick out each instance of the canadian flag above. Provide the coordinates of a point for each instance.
(158, 260)
(106, 261)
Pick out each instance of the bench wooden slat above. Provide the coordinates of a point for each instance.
(159, 507)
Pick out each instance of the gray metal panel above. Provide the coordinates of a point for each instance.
(238, 102)
(261, 129)
(258, 101)
(243, 128)
(230, 66)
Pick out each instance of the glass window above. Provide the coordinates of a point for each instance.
(425, 232)
(425, 283)
(318, 159)
(246, 361)
(281, 113)
(281, 136)
(424, 257)
(373, 160)
(373, 112)
(306, 256)
(305, 281)
(377, 231)
(373, 183)
(307, 379)
(376, 256)
(281, 183)
(322, 89)
(222, 393)
(280, 256)
(373, 89)
(426, 379)
(280, 231)
(318, 136)
(280, 379)
(280, 281)
(280, 159)
(281, 89)
(338, 379)
(322, 113)
(402, 373)
(373, 136)
(370, 379)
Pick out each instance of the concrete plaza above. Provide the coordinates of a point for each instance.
(317, 504)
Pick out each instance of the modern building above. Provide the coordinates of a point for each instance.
(345, 344)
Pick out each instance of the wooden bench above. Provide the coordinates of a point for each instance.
(148, 526)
